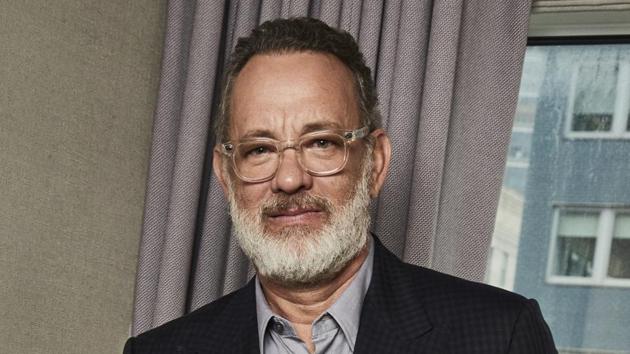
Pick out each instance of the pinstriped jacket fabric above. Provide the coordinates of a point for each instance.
(407, 309)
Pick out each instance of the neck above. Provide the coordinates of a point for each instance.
(304, 305)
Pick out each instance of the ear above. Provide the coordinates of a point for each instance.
(217, 168)
(381, 155)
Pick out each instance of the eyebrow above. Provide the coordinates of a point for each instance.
(307, 128)
(258, 133)
(313, 127)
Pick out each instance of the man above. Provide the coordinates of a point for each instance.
(300, 154)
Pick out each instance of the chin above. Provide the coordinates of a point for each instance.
(294, 231)
(308, 283)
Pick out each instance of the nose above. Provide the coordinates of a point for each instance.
(290, 176)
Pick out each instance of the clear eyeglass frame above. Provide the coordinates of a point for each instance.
(348, 136)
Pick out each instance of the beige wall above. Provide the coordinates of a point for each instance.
(78, 83)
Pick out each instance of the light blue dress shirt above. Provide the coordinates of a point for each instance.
(334, 331)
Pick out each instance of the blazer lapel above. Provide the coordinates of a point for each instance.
(241, 330)
(393, 317)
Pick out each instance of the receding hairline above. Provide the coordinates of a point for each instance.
(301, 35)
(330, 57)
(287, 51)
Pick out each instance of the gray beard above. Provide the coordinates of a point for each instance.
(298, 256)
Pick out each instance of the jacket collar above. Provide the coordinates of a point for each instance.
(241, 311)
(393, 313)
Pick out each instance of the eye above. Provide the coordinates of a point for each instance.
(321, 144)
(258, 150)
(255, 150)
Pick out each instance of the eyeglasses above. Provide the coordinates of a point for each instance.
(321, 153)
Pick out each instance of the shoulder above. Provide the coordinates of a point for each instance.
(480, 316)
(474, 315)
(446, 294)
(436, 289)
(449, 297)
(203, 316)
(208, 324)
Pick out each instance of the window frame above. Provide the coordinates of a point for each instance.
(603, 244)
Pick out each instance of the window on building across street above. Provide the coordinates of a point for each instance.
(590, 246)
(599, 94)
(575, 244)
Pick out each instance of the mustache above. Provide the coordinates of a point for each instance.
(284, 202)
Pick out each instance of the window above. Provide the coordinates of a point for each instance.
(590, 246)
(498, 264)
(562, 231)
(575, 244)
(599, 93)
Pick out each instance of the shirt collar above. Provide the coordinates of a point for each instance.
(346, 310)
(263, 315)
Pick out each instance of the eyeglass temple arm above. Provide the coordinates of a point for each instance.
(357, 134)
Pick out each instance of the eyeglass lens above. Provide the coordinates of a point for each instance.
(319, 153)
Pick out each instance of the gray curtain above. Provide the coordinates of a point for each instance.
(448, 74)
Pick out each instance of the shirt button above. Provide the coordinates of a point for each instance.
(278, 327)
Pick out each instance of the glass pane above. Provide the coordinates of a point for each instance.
(622, 226)
(574, 256)
(569, 263)
(619, 264)
(578, 224)
(595, 79)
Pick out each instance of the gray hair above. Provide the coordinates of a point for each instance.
(300, 35)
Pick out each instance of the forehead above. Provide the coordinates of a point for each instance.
(284, 94)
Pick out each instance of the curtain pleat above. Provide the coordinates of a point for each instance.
(402, 67)
(161, 166)
(432, 132)
(447, 72)
(491, 48)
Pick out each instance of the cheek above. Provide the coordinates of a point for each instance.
(337, 189)
(250, 196)
(340, 188)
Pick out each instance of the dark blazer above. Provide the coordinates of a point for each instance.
(407, 309)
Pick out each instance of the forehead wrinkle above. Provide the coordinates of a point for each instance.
(293, 126)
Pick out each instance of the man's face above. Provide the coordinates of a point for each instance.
(293, 220)
(283, 96)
